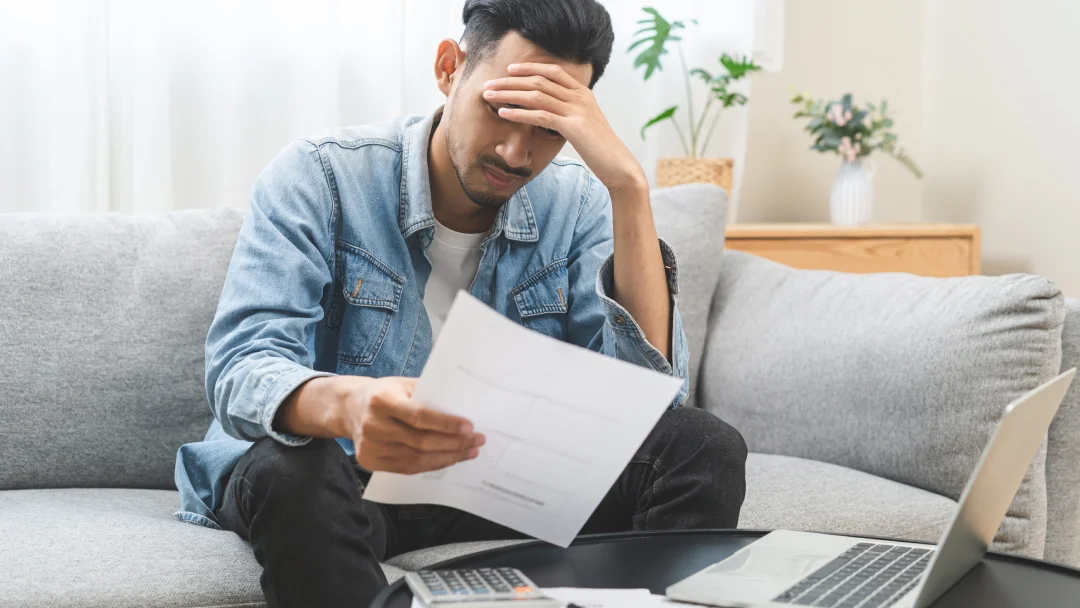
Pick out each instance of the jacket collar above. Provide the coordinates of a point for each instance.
(516, 218)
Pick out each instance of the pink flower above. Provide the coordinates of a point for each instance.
(836, 115)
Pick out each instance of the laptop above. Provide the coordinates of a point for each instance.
(785, 569)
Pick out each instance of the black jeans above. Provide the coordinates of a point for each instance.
(320, 544)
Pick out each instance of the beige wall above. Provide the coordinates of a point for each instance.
(985, 95)
(871, 48)
(1002, 130)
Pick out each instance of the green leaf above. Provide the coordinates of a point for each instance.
(702, 74)
(847, 102)
(662, 116)
(738, 67)
(655, 36)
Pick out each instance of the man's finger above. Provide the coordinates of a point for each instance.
(407, 461)
(391, 430)
(533, 100)
(550, 71)
(529, 83)
(421, 417)
(537, 118)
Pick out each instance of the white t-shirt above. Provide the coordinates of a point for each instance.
(455, 258)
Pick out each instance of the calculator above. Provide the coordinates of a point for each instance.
(477, 588)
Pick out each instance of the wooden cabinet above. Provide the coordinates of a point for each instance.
(934, 250)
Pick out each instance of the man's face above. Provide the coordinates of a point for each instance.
(494, 157)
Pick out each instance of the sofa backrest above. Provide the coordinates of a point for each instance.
(103, 321)
(899, 376)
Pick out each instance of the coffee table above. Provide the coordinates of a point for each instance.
(655, 560)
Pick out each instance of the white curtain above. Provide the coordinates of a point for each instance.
(150, 105)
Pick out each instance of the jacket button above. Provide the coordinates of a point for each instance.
(620, 320)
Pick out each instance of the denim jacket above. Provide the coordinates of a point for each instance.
(328, 277)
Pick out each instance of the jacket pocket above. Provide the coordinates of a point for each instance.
(372, 293)
(542, 300)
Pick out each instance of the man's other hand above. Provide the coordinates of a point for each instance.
(393, 433)
(390, 431)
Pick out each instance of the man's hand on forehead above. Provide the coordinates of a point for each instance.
(545, 95)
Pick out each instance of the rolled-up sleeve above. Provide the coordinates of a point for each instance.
(260, 346)
(600, 323)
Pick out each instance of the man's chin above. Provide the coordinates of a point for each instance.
(487, 198)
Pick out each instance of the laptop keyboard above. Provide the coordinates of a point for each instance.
(869, 575)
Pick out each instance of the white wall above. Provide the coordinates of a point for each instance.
(1002, 128)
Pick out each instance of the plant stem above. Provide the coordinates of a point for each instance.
(681, 137)
(689, 103)
(712, 128)
(701, 120)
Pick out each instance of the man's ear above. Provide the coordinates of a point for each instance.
(449, 61)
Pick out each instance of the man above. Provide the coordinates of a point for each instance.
(343, 275)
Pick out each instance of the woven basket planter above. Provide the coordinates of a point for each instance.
(688, 170)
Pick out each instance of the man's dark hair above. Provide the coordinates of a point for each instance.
(574, 30)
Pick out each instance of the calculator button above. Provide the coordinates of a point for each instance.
(522, 589)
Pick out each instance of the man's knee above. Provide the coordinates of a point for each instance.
(700, 431)
(296, 471)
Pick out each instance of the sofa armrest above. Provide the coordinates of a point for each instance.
(1063, 456)
(901, 376)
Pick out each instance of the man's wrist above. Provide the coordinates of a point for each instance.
(632, 185)
(319, 407)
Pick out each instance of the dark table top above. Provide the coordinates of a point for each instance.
(655, 560)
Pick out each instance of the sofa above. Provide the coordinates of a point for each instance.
(865, 399)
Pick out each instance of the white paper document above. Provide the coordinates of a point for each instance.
(561, 423)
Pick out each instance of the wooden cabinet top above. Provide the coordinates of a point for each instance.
(830, 231)
(937, 250)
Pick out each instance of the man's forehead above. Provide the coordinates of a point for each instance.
(515, 48)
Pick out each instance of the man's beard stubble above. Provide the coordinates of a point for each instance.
(480, 197)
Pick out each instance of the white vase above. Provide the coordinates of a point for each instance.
(852, 200)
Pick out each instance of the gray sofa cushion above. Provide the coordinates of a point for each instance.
(104, 319)
(899, 376)
(123, 548)
(1063, 456)
(691, 219)
(117, 549)
(789, 493)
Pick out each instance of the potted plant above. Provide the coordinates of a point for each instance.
(654, 37)
(853, 132)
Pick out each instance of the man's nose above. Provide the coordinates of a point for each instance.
(516, 147)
